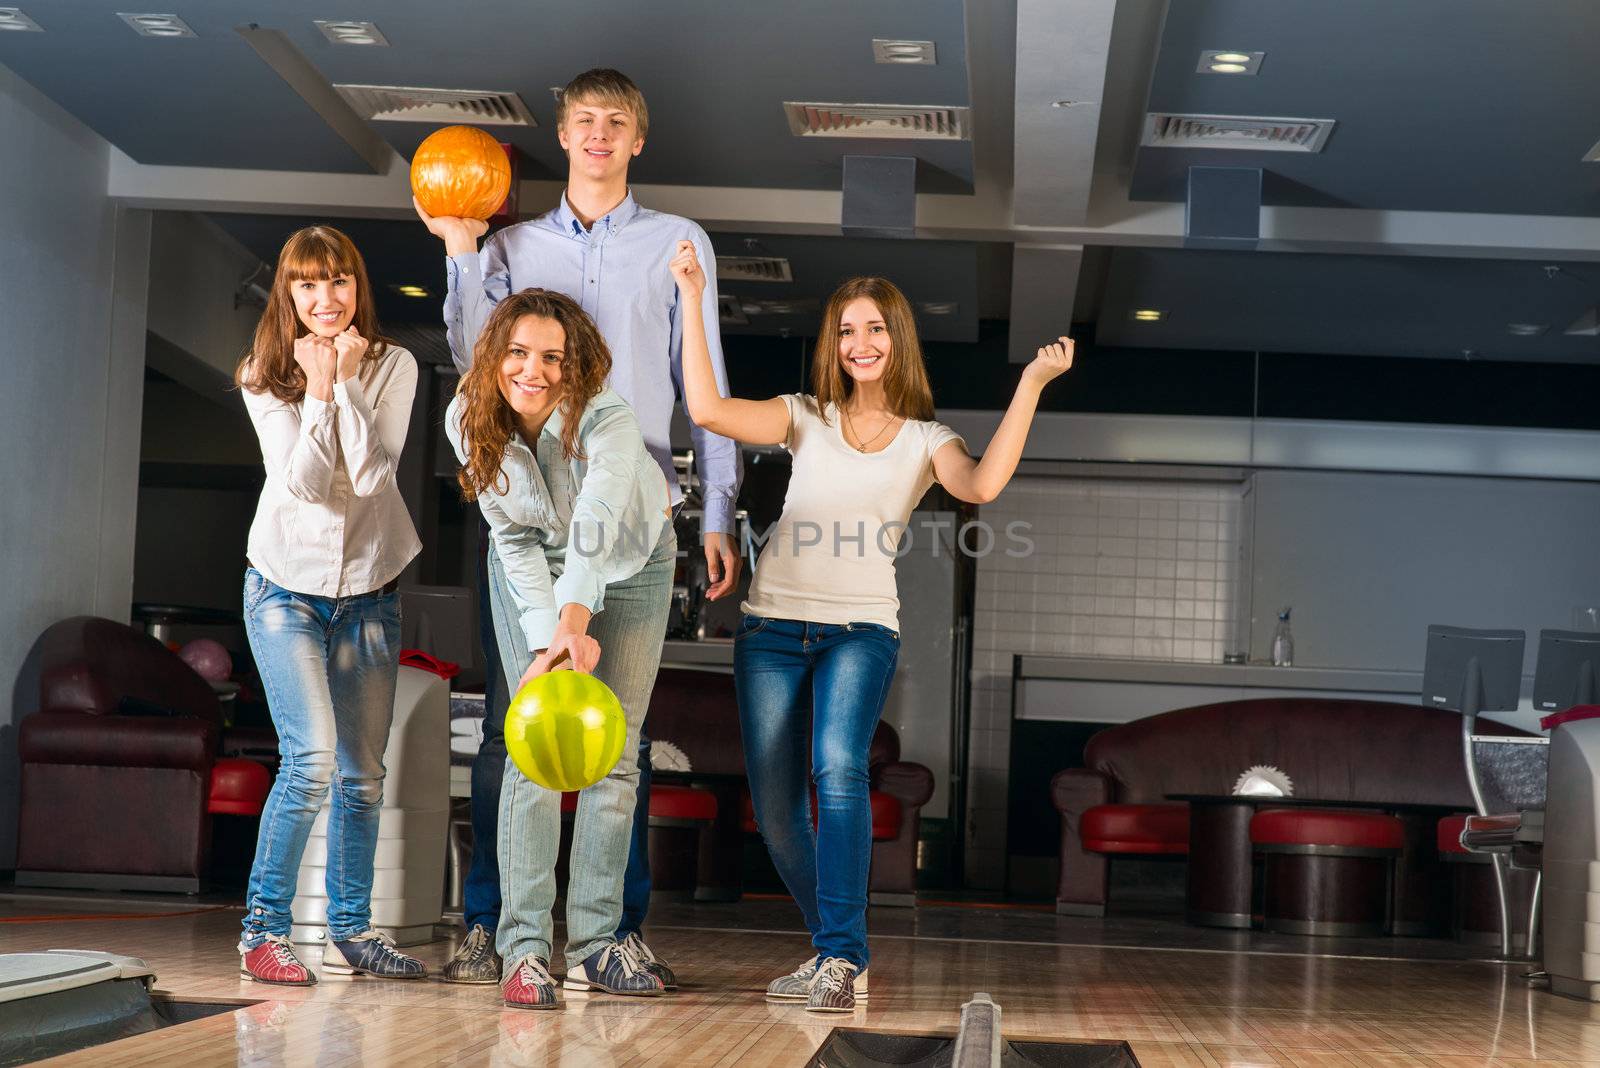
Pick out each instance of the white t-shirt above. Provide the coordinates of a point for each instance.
(830, 557)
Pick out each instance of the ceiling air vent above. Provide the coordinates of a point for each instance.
(394, 103)
(753, 269)
(897, 122)
(797, 306)
(1236, 132)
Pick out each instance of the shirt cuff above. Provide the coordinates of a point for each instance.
(462, 266)
(539, 627)
(315, 410)
(349, 390)
(580, 584)
(719, 509)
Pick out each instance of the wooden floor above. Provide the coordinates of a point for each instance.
(1177, 1008)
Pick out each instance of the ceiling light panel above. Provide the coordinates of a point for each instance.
(1229, 61)
(903, 53)
(1147, 315)
(12, 18)
(351, 33)
(156, 25)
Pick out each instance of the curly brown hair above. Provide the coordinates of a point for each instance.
(487, 420)
(316, 253)
(905, 383)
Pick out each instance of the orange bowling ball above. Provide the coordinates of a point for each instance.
(460, 171)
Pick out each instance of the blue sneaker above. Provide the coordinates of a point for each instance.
(371, 953)
(615, 970)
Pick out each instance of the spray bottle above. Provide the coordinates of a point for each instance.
(1283, 641)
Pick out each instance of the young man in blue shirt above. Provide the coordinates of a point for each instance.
(610, 255)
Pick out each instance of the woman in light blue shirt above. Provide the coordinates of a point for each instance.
(583, 546)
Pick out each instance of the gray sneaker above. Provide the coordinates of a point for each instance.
(796, 986)
(475, 961)
(834, 988)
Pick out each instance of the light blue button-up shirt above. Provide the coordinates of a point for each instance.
(617, 271)
(564, 528)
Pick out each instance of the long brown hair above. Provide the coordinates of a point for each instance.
(905, 382)
(316, 253)
(487, 420)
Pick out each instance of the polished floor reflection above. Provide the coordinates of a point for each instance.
(1180, 997)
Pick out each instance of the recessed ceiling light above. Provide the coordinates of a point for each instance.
(938, 307)
(1148, 315)
(351, 33)
(411, 291)
(157, 25)
(903, 52)
(1223, 61)
(12, 18)
(1526, 329)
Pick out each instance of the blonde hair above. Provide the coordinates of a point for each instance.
(612, 88)
(905, 381)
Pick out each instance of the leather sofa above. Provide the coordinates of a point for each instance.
(698, 712)
(116, 763)
(1333, 749)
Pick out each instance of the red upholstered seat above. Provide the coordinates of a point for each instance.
(1161, 828)
(239, 787)
(1450, 834)
(666, 802)
(885, 815)
(669, 802)
(1346, 828)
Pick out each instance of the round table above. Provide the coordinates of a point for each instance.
(1221, 871)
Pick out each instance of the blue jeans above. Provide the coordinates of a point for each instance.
(328, 665)
(817, 688)
(629, 630)
(481, 895)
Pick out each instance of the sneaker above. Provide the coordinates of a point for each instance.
(834, 988)
(529, 986)
(651, 962)
(475, 960)
(796, 986)
(371, 953)
(614, 970)
(273, 961)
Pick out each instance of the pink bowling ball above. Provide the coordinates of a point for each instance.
(208, 658)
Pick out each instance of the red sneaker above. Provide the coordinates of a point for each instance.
(273, 961)
(529, 986)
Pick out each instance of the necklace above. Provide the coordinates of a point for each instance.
(861, 446)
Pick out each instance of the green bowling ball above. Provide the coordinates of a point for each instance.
(565, 730)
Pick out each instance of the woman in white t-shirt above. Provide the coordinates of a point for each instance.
(820, 633)
(331, 402)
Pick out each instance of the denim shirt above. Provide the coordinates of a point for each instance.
(566, 528)
(617, 272)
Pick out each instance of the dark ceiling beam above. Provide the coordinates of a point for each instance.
(1044, 284)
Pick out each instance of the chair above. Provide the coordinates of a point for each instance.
(116, 763)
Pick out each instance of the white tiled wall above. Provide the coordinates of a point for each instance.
(1119, 568)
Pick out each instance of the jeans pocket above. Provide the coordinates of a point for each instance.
(749, 625)
(874, 628)
(256, 587)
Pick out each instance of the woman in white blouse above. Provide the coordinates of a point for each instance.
(330, 402)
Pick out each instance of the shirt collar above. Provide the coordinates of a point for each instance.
(615, 220)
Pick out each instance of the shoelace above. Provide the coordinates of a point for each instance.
(533, 973)
(806, 971)
(641, 952)
(835, 972)
(385, 946)
(477, 941)
(283, 952)
(624, 953)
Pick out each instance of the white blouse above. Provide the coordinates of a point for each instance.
(331, 521)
